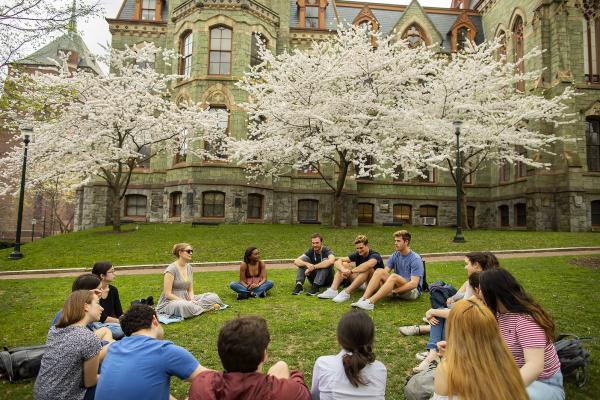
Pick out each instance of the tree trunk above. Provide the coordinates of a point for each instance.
(338, 202)
(116, 209)
(463, 206)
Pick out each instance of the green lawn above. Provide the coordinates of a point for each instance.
(152, 243)
(303, 328)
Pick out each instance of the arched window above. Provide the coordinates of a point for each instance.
(520, 214)
(403, 213)
(591, 40)
(596, 213)
(175, 205)
(365, 213)
(257, 40)
(217, 149)
(428, 214)
(592, 143)
(502, 48)
(220, 51)
(308, 210)
(462, 31)
(463, 36)
(135, 205)
(518, 49)
(213, 204)
(255, 206)
(504, 217)
(415, 36)
(185, 49)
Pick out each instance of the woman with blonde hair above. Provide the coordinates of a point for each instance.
(475, 348)
(69, 368)
(178, 296)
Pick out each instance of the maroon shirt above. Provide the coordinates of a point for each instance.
(213, 385)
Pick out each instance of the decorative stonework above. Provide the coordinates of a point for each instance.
(366, 15)
(593, 110)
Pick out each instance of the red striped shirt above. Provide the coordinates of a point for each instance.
(520, 331)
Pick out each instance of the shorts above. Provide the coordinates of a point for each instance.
(412, 294)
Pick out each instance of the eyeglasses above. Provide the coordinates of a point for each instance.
(189, 251)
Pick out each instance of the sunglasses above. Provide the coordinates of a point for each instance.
(189, 251)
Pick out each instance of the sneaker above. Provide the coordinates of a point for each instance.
(314, 290)
(341, 297)
(328, 294)
(298, 289)
(242, 296)
(364, 304)
(422, 355)
(411, 330)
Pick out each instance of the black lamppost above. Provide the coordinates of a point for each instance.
(27, 135)
(458, 237)
(33, 222)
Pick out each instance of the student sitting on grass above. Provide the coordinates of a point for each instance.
(242, 346)
(527, 330)
(92, 283)
(140, 366)
(253, 276)
(477, 364)
(70, 365)
(353, 373)
(109, 299)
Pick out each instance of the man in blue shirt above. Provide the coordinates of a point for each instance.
(140, 366)
(316, 265)
(402, 277)
(365, 262)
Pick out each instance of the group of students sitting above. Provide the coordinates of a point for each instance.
(492, 330)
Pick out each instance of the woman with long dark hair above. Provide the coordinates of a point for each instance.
(253, 276)
(528, 332)
(477, 364)
(353, 373)
(109, 299)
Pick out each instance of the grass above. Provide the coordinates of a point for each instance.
(303, 328)
(152, 243)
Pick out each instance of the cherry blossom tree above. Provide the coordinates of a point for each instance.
(500, 124)
(338, 105)
(90, 127)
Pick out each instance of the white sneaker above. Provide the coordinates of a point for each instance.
(328, 294)
(341, 297)
(364, 304)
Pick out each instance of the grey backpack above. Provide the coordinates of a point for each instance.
(21, 362)
(420, 386)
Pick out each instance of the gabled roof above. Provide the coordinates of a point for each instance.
(127, 10)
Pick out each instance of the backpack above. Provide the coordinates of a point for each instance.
(420, 386)
(21, 362)
(574, 358)
(439, 292)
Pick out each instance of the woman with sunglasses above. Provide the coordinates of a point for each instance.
(253, 276)
(178, 296)
(527, 330)
(477, 364)
(109, 299)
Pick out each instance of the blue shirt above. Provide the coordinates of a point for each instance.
(407, 266)
(140, 367)
(358, 259)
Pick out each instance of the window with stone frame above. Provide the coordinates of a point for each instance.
(428, 176)
(504, 216)
(469, 173)
(366, 213)
(257, 40)
(217, 149)
(135, 205)
(471, 216)
(519, 50)
(521, 167)
(595, 205)
(148, 10)
(403, 213)
(428, 211)
(219, 62)
(520, 214)
(213, 204)
(308, 210)
(592, 143)
(311, 19)
(591, 40)
(175, 205)
(502, 49)
(255, 206)
(186, 49)
(415, 36)
(462, 38)
(504, 171)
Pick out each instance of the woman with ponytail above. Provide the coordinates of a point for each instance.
(477, 364)
(353, 373)
(527, 330)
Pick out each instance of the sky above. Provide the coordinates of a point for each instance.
(95, 30)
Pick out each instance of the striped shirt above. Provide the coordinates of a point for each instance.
(520, 331)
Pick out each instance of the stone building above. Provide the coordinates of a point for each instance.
(217, 41)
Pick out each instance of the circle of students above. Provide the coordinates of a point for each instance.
(490, 329)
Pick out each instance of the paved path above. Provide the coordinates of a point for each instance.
(287, 264)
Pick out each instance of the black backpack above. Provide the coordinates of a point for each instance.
(21, 362)
(574, 358)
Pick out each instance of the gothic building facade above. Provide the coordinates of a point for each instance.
(217, 40)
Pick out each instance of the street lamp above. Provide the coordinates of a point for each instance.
(27, 136)
(33, 222)
(458, 237)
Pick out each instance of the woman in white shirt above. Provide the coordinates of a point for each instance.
(353, 373)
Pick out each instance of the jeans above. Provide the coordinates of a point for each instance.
(319, 277)
(547, 389)
(114, 327)
(258, 292)
(436, 334)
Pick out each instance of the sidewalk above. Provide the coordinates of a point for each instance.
(286, 264)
